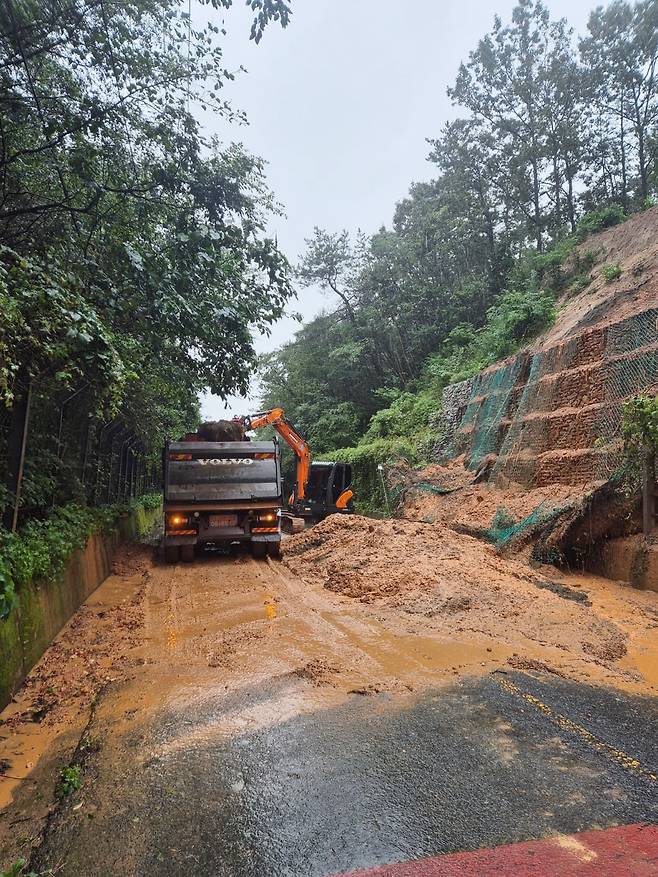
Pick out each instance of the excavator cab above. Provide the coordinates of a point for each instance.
(328, 491)
(321, 488)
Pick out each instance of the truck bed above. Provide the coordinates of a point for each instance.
(222, 473)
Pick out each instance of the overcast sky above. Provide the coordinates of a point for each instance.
(340, 105)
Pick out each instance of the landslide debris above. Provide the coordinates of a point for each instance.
(458, 584)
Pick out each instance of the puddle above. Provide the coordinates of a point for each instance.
(405, 656)
(633, 611)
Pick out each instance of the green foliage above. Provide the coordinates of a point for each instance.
(134, 259)
(18, 870)
(370, 498)
(640, 423)
(597, 220)
(405, 418)
(41, 548)
(640, 432)
(516, 318)
(70, 780)
(611, 272)
(151, 501)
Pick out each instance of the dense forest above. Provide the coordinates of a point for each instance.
(134, 264)
(557, 137)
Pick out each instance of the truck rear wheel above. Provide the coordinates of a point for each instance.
(172, 553)
(187, 553)
(259, 550)
(274, 550)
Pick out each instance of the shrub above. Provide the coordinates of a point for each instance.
(41, 548)
(366, 480)
(70, 780)
(639, 428)
(406, 417)
(597, 220)
(581, 283)
(151, 501)
(611, 272)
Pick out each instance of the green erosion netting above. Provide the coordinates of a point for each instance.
(555, 415)
(426, 487)
(502, 531)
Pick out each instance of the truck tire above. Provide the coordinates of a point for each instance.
(172, 553)
(187, 553)
(259, 550)
(274, 550)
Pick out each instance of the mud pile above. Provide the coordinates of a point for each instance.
(450, 495)
(93, 649)
(457, 584)
(221, 431)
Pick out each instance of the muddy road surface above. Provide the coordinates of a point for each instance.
(261, 725)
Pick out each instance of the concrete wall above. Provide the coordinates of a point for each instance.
(45, 606)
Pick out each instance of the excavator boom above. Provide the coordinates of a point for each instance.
(321, 488)
(276, 418)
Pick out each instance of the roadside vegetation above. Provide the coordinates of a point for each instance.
(18, 870)
(41, 548)
(640, 432)
(557, 139)
(70, 780)
(134, 261)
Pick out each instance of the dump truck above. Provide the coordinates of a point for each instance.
(221, 493)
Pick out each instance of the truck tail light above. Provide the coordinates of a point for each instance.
(179, 458)
(177, 522)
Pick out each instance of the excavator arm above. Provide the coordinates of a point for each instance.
(277, 419)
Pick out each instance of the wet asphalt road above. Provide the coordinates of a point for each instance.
(376, 779)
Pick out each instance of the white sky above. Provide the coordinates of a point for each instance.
(340, 105)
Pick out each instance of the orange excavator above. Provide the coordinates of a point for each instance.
(322, 488)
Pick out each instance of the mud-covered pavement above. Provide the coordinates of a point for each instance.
(268, 726)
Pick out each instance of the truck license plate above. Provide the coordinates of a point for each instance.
(221, 521)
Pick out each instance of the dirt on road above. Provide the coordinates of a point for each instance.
(164, 662)
(428, 578)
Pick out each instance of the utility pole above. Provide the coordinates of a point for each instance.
(380, 469)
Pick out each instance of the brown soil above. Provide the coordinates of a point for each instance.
(460, 587)
(634, 246)
(470, 506)
(94, 649)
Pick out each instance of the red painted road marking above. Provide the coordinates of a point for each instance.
(629, 851)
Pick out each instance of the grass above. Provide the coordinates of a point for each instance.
(70, 780)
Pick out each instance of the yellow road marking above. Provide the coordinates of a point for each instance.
(618, 755)
(270, 611)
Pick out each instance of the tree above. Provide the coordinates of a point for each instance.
(621, 54)
(134, 261)
(513, 82)
(333, 263)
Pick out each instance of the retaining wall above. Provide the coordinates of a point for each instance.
(554, 415)
(44, 606)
